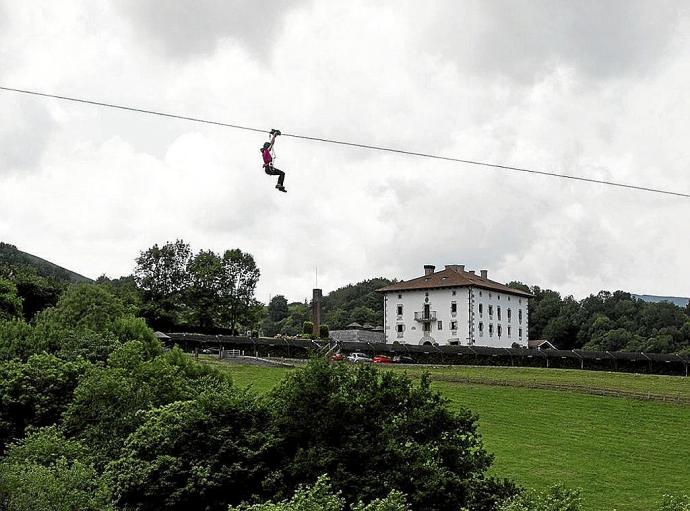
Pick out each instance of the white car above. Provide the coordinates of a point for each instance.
(358, 357)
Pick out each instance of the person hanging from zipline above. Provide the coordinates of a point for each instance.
(269, 156)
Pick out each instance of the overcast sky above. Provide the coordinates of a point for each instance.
(593, 88)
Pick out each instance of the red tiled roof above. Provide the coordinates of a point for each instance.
(451, 277)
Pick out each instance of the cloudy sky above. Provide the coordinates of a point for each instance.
(593, 88)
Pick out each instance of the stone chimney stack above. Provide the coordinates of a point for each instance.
(316, 312)
(485, 274)
(429, 269)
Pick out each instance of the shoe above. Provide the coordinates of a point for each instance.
(281, 188)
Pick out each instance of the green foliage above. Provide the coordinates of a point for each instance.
(240, 277)
(307, 328)
(278, 308)
(89, 321)
(556, 498)
(608, 321)
(203, 295)
(48, 471)
(10, 303)
(675, 503)
(328, 416)
(35, 393)
(356, 302)
(161, 274)
(323, 332)
(106, 404)
(206, 453)
(16, 340)
(321, 497)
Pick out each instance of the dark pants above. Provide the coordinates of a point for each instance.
(272, 171)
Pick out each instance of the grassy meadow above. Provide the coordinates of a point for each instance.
(624, 453)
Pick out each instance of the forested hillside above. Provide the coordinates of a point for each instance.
(607, 321)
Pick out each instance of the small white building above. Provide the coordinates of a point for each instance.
(455, 307)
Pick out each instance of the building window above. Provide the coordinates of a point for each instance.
(400, 310)
(520, 333)
(400, 329)
(453, 293)
(509, 316)
(508, 331)
(498, 312)
(499, 330)
(490, 295)
(520, 301)
(480, 293)
(453, 325)
(498, 296)
(453, 308)
(440, 325)
(481, 329)
(427, 326)
(399, 297)
(481, 310)
(491, 329)
(520, 316)
(491, 311)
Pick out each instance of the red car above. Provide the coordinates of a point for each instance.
(382, 359)
(337, 357)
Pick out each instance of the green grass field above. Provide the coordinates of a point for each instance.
(624, 453)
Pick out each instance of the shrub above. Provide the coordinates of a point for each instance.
(675, 503)
(556, 498)
(205, 453)
(321, 497)
(35, 393)
(327, 414)
(48, 471)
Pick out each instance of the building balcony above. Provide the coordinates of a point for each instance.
(425, 316)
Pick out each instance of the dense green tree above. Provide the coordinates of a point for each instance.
(326, 415)
(47, 471)
(35, 393)
(338, 306)
(204, 293)
(321, 497)
(16, 340)
(10, 303)
(544, 307)
(240, 277)
(126, 289)
(89, 321)
(206, 453)
(278, 308)
(107, 401)
(161, 274)
(363, 314)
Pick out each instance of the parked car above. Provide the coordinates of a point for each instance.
(337, 357)
(382, 359)
(402, 359)
(358, 357)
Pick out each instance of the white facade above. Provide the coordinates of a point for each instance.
(464, 315)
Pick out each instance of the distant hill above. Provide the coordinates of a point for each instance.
(11, 256)
(677, 300)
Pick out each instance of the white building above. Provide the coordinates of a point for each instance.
(454, 306)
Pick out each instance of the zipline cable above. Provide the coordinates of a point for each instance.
(354, 144)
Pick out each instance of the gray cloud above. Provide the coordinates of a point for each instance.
(524, 39)
(184, 28)
(24, 140)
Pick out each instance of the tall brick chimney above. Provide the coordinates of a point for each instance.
(429, 269)
(485, 274)
(316, 312)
